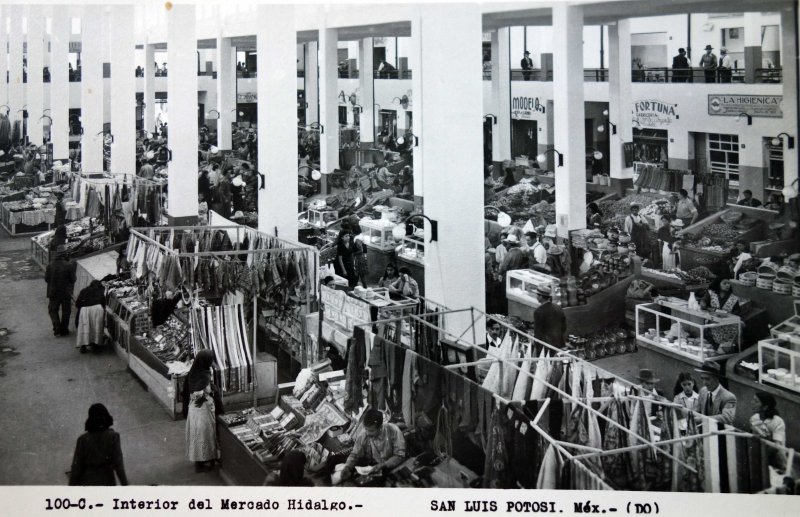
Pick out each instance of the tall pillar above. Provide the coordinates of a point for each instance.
(123, 90)
(501, 94)
(328, 102)
(366, 84)
(226, 92)
(149, 87)
(277, 104)
(415, 63)
(620, 98)
(59, 81)
(568, 118)
(445, 31)
(92, 89)
(16, 92)
(752, 46)
(182, 102)
(35, 86)
(789, 27)
(3, 55)
(311, 81)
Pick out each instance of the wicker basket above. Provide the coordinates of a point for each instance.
(768, 268)
(765, 281)
(781, 287)
(796, 291)
(748, 278)
(786, 274)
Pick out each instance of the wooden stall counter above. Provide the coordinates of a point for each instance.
(778, 306)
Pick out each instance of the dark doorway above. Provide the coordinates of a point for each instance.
(378, 55)
(524, 138)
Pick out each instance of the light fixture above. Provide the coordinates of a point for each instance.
(316, 126)
(47, 117)
(605, 112)
(402, 229)
(491, 116)
(503, 219)
(749, 118)
(601, 128)
(214, 111)
(357, 108)
(316, 175)
(542, 158)
(106, 132)
(597, 155)
(401, 140)
(777, 140)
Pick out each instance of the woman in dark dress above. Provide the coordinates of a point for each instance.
(344, 257)
(98, 453)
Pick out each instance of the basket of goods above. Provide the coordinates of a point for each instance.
(748, 278)
(781, 287)
(786, 274)
(768, 268)
(624, 237)
(765, 281)
(796, 286)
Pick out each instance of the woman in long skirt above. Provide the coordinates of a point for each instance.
(201, 421)
(91, 316)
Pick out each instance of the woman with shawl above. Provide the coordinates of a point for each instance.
(98, 452)
(201, 428)
(90, 318)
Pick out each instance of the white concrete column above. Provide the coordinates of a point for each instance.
(59, 81)
(445, 31)
(620, 96)
(3, 56)
(366, 84)
(123, 90)
(789, 28)
(277, 105)
(35, 86)
(149, 87)
(311, 76)
(92, 88)
(501, 93)
(182, 102)
(568, 117)
(16, 92)
(415, 57)
(328, 101)
(226, 92)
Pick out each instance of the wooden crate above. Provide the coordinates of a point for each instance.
(166, 391)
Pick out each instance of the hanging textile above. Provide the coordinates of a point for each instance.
(354, 377)
(521, 387)
(223, 329)
(497, 471)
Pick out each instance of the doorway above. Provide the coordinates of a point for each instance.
(524, 138)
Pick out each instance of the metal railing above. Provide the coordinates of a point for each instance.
(392, 74)
(698, 75)
(348, 74)
(535, 74)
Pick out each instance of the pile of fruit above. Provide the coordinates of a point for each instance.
(615, 211)
(720, 233)
(687, 277)
(526, 201)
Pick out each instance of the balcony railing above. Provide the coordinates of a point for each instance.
(348, 74)
(392, 74)
(698, 75)
(535, 74)
(595, 75)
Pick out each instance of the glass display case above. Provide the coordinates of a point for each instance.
(779, 361)
(320, 219)
(378, 233)
(668, 323)
(521, 285)
(413, 249)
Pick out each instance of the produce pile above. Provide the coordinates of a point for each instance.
(691, 277)
(525, 201)
(616, 210)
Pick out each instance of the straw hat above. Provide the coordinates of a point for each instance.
(512, 238)
(709, 368)
(555, 249)
(647, 375)
(677, 223)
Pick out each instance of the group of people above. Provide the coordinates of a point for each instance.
(715, 70)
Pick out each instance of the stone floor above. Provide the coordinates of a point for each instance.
(47, 386)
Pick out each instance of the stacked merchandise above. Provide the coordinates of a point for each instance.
(83, 237)
(223, 329)
(169, 343)
(657, 178)
(107, 198)
(37, 207)
(527, 200)
(616, 210)
(127, 313)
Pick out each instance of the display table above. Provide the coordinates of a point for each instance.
(778, 306)
(33, 222)
(95, 266)
(240, 467)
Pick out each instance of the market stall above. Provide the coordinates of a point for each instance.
(34, 211)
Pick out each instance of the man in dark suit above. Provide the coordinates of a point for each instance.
(714, 400)
(60, 278)
(680, 67)
(527, 65)
(549, 322)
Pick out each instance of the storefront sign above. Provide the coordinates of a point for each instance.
(653, 113)
(753, 105)
(247, 97)
(524, 108)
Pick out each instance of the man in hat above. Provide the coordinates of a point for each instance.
(680, 67)
(527, 65)
(515, 258)
(60, 278)
(724, 66)
(708, 62)
(147, 171)
(647, 382)
(714, 400)
(549, 321)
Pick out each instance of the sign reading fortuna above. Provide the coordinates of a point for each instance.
(654, 113)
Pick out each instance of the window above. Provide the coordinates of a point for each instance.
(775, 166)
(342, 115)
(723, 157)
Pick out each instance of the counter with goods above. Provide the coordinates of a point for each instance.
(84, 236)
(411, 254)
(772, 366)
(35, 213)
(709, 242)
(527, 200)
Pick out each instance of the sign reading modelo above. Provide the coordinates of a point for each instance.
(653, 113)
(753, 105)
(523, 108)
